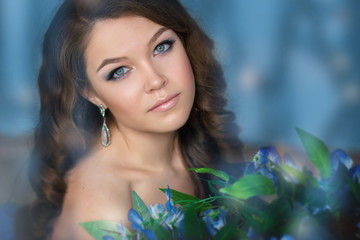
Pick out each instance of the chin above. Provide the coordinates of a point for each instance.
(173, 126)
(173, 122)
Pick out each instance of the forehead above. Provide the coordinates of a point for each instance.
(119, 35)
(131, 24)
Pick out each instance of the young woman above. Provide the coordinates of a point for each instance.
(131, 96)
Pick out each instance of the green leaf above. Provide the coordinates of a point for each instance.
(317, 152)
(185, 199)
(192, 224)
(98, 229)
(316, 197)
(279, 209)
(254, 214)
(179, 196)
(355, 188)
(211, 188)
(140, 207)
(160, 231)
(340, 180)
(285, 188)
(219, 183)
(250, 186)
(218, 173)
(300, 176)
(230, 230)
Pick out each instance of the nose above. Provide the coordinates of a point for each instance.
(155, 79)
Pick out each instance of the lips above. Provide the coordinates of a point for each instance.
(165, 104)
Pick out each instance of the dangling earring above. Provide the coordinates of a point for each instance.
(105, 133)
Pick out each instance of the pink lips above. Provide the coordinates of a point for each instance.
(165, 104)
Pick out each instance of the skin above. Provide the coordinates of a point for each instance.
(144, 153)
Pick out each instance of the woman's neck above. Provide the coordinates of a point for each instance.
(148, 151)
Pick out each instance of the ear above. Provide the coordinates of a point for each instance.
(91, 96)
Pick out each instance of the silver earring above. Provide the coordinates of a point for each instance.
(105, 133)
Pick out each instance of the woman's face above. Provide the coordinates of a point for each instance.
(140, 71)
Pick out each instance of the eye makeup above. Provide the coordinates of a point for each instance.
(160, 49)
(117, 73)
(164, 46)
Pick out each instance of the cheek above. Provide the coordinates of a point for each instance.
(181, 68)
(188, 78)
(121, 98)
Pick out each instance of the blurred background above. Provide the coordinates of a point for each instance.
(288, 63)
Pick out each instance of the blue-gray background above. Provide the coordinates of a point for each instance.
(288, 63)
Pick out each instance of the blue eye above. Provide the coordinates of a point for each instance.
(118, 73)
(163, 47)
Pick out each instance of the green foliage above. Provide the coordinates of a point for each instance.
(218, 173)
(300, 176)
(317, 152)
(285, 201)
(250, 186)
(98, 229)
(192, 224)
(185, 199)
(160, 231)
(231, 230)
(140, 207)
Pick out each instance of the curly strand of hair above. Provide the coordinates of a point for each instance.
(214, 137)
(58, 145)
(48, 172)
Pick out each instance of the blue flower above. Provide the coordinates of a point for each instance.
(284, 237)
(107, 237)
(273, 155)
(251, 234)
(269, 174)
(137, 224)
(176, 220)
(122, 231)
(270, 154)
(288, 160)
(136, 220)
(157, 211)
(214, 220)
(169, 204)
(340, 155)
(266, 157)
(355, 173)
(336, 156)
(170, 218)
(176, 216)
(316, 210)
(264, 162)
(287, 237)
(307, 171)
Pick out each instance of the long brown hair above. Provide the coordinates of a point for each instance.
(69, 124)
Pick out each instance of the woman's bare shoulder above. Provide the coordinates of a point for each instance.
(92, 195)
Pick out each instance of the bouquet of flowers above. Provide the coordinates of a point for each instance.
(273, 200)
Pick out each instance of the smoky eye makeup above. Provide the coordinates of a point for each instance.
(117, 73)
(161, 48)
(164, 46)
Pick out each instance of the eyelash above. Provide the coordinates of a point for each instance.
(169, 42)
(111, 76)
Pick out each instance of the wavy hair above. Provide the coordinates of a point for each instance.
(69, 124)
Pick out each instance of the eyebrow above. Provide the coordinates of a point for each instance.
(157, 35)
(109, 61)
(115, 60)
